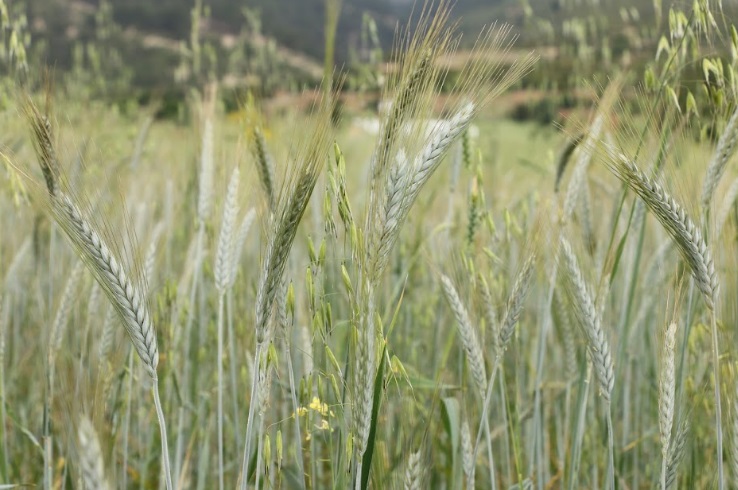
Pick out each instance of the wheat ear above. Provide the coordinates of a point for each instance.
(467, 334)
(586, 314)
(100, 260)
(264, 166)
(224, 259)
(515, 303)
(467, 455)
(414, 472)
(719, 160)
(91, 464)
(677, 223)
(667, 386)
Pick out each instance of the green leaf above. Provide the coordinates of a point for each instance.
(366, 462)
(451, 415)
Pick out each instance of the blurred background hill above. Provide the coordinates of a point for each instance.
(145, 50)
(151, 36)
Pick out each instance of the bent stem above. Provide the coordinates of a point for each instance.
(163, 430)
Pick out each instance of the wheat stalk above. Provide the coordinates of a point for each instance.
(696, 254)
(205, 181)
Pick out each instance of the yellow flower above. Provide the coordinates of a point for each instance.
(319, 407)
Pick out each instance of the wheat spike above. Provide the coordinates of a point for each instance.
(677, 223)
(586, 314)
(468, 335)
(224, 256)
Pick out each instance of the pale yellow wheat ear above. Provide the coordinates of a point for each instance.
(300, 178)
(102, 251)
(98, 246)
(413, 136)
(302, 172)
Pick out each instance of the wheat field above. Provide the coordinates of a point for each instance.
(446, 300)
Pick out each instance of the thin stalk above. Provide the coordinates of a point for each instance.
(163, 430)
(579, 434)
(488, 436)
(293, 395)
(718, 408)
(250, 422)
(181, 421)
(259, 449)
(486, 402)
(4, 321)
(127, 420)
(221, 301)
(610, 449)
(664, 463)
(232, 366)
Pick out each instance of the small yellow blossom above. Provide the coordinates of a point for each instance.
(319, 407)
